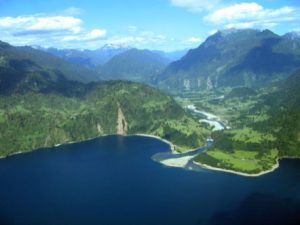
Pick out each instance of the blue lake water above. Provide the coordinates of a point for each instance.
(112, 180)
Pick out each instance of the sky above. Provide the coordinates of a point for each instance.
(166, 25)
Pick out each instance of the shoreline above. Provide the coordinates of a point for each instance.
(171, 145)
(180, 162)
(53, 146)
(205, 166)
(289, 157)
(172, 150)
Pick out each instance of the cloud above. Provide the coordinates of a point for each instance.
(235, 12)
(196, 5)
(97, 33)
(249, 15)
(192, 41)
(244, 25)
(44, 29)
(211, 32)
(63, 29)
(37, 24)
(54, 23)
(92, 35)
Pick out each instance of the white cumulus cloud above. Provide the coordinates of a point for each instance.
(53, 23)
(251, 14)
(97, 33)
(92, 35)
(235, 12)
(41, 29)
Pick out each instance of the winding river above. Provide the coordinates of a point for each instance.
(185, 160)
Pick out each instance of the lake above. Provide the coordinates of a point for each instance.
(113, 180)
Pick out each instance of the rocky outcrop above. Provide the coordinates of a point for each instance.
(122, 126)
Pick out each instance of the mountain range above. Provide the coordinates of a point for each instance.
(234, 58)
(228, 58)
(47, 100)
(100, 56)
(34, 67)
(87, 58)
(43, 103)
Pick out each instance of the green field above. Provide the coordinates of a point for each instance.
(258, 127)
(248, 162)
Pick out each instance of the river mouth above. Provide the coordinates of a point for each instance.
(182, 160)
(185, 160)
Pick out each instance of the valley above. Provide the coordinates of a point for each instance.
(252, 142)
(158, 112)
(253, 122)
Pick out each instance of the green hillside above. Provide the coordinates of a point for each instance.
(36, 119)
(22, 62)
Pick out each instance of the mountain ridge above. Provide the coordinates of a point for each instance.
(41, 108)
(233, 58)
(135, 65)
(27, 61)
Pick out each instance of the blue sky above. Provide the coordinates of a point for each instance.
(153, 24)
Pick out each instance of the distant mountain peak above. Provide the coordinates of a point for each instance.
(37, 47)
(234, 31)
(135, 65)
(227, 33)
(230, 31)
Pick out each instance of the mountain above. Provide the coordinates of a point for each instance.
(234, 58)
(88, 58)
(93, 58)
(134, 65)
(26, 63)
(38, 110)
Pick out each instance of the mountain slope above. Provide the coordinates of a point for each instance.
(76, 111)
(234, 58)
(27, 61)
(134, 65)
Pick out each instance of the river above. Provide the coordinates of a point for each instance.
(185, 160)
